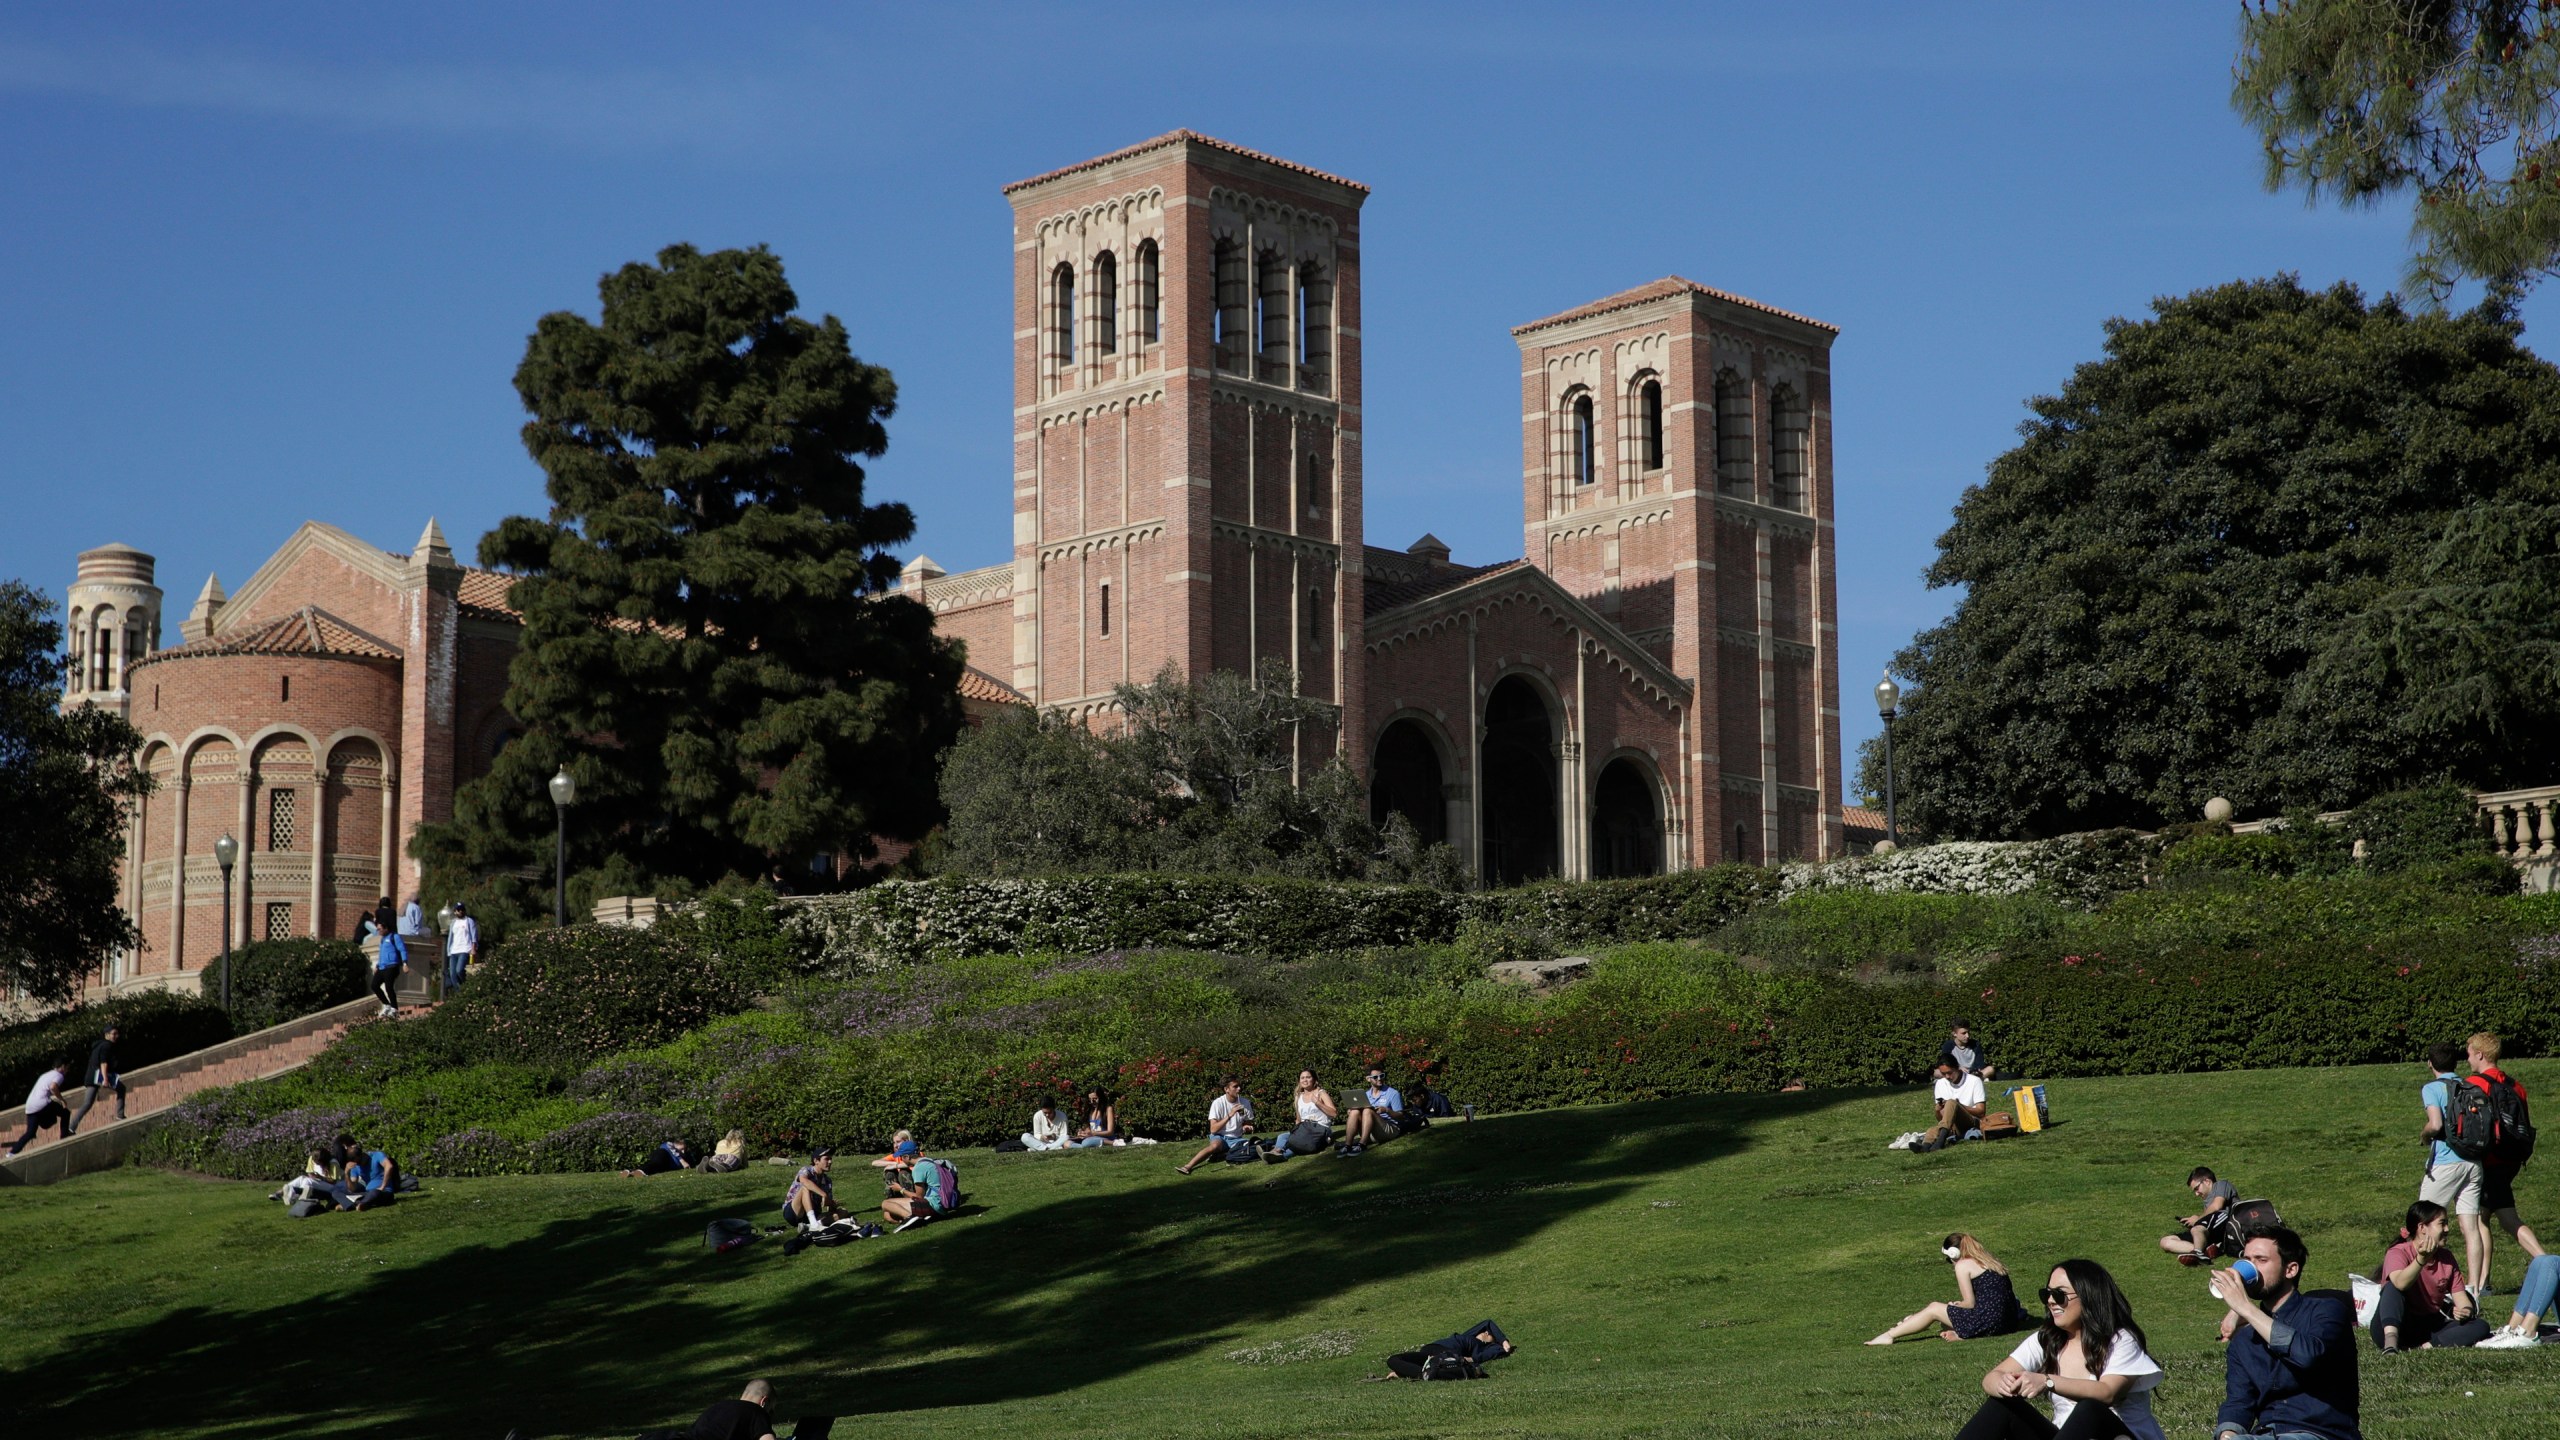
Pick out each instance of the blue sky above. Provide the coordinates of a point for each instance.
(279, 263)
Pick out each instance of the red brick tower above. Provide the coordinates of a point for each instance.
(1187, 424)
(1677, 476)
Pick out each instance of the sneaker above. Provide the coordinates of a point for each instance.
(2191, 1259)
(912, 1222)
(2508, 1340)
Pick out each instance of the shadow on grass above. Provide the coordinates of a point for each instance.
(601, 1323)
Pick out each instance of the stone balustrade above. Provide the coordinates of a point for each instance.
(2524, 826)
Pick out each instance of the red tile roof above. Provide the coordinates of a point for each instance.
(1860, 818)
(484, 593)
(307, 631)
(977, 684)
(1664, 288)
(1176, 137)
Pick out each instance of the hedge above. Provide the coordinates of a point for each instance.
(158, 1025)
(912, 922)
(273, 981)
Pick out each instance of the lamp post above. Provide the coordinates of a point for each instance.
(564, 793)
(444, 927)
(1888, 704)
(226, 853)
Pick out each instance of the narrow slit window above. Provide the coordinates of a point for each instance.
(1148, 277)
(1585, 444)
(1106, 304)
(284, 687)
(1106, 608)
(1062, 314)
(1649, 417)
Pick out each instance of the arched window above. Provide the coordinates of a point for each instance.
(1585, 443)
(1786, 449)
(1230, 307)
(1649, 423)
(1106, 304)
(1146, 274)
(1062, 313)
(1733, 434)
(1315, 327)
(1271, 315)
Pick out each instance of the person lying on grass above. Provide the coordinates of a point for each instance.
(2425, 1304)
(1230, 1120)
(665, 1156)
(1986, 1303)
(2195, 1247)
(2089, 1360)
(2523, 1328)
(810, 1203)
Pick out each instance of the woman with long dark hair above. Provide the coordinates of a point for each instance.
(2425, 1301)
(2089, 1360)
(1985, 1303)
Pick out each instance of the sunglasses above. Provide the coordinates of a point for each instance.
(2054, 1296)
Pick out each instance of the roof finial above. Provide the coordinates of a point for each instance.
(432, 549)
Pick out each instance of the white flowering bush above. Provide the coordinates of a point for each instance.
(2082, 870)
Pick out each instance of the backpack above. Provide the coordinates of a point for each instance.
(308, 1206)
(943, 1185)
(2470, 1120)
(1435, 1103)
(2512, 1142)
(1244, 1150)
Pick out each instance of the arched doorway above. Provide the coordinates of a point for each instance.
(1519, 785)
(1626, 823)
(1406, 780)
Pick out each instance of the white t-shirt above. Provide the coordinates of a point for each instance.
(465, 937)
(2123, 1358)
(1966, 1092)
(46, 1085)
(1228, 1117)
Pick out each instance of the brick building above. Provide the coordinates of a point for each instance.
(1654, 687)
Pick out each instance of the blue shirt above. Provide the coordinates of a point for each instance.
(1390, 1099)
(370, 1173)
(2435, 1094)
(2301, 1378)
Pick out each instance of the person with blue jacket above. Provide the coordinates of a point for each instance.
(2290, 1369)
(369, 1178)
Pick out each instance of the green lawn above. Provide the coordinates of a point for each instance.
(1699, 1267)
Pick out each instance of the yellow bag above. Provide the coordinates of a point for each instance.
(2032, 1112)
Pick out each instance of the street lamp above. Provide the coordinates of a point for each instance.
(564, 793)
(444, 926)
(1888, 704)
(226, 853)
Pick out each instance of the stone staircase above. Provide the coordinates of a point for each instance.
(105, 1141)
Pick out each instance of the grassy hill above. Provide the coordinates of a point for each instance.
(1691, 1267)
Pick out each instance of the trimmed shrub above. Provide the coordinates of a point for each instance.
(2269, 853)
(1885, 934)
(562, 995)
(616, 1140)
(273, 981)
(739, 928)
(2082, 870)
(158, 1025)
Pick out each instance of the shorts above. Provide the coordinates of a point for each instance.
(2498, 1188)
(2456, 1187)
(1385, 1125)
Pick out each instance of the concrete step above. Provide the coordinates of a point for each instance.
(151, 1090)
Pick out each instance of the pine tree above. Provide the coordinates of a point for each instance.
(707, 644)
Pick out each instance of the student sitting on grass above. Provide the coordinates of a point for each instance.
(920, 1191)
(1958, 1101)
(667, 1155)
(369, 1179)
(2089, 1360)
(1377, 1116)
(2523, 1328)
(1230, 1121)
(2424, 1304)
(2195, 1247)
(810, 1203)
(1986, 1303)
(1049, 1129)
(1316, 1114)
(1101, 1119)
(2290, 1368)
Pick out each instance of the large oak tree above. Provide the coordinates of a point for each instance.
(708, 643)
(2278, 545)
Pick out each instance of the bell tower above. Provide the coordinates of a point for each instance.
(112, 620)
(1187, 424)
